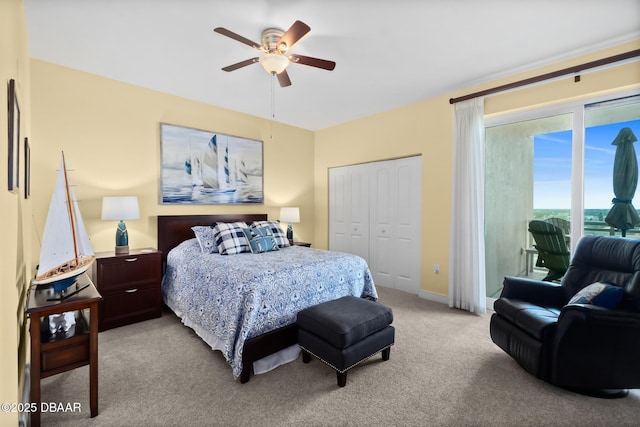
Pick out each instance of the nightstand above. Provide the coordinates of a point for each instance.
(130, 285)
(305, 244)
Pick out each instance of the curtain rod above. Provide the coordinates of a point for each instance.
(548, 76)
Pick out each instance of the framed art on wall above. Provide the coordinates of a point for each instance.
(14, 138)
(202, 167)
(27, 168)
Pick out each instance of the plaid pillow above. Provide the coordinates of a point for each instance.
(205, 237)
(260, 240)
(230, 238)
(276, 231)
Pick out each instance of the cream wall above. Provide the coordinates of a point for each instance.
(427, 128)
(415, 129)
(110, 134)
(15, 211)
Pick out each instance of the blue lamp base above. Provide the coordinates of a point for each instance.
(122, 239)
(290, 233)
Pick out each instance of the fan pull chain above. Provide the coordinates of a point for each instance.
(273, 103)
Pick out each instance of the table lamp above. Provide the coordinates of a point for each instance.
(290, 215)
(120, 208)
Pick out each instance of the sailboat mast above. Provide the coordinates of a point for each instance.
(70, 208)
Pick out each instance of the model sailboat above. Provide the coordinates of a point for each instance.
(66, 251)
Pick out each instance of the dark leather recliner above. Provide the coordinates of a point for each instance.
(581, 347)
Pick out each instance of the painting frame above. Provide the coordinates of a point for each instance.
(27, 168)
(200, 167)
(13, 159)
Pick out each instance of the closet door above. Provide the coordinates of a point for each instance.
(408, 221)
(396, 223)
(383, 211)
(375, 212)
(338, 209)
(349, 210)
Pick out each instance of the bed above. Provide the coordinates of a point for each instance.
(245, 305)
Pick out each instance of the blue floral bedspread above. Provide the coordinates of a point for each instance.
(237, 297)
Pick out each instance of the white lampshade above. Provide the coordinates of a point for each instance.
(274, 62)
(290, 215)
(119, 208)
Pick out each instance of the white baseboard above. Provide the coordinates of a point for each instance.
(434, 297)
(445, 299)
(24, 419)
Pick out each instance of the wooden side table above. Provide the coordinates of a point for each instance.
(63, 351)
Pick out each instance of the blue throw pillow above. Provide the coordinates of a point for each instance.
(276, 231)
(260, 240)
(600, 294)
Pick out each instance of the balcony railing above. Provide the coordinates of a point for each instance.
(601, 228)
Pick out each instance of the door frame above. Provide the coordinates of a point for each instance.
(576, 107)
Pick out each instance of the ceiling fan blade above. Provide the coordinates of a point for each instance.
(237, 37)
(297, 31)
(313, 62)
(283, 79)
(241, 64)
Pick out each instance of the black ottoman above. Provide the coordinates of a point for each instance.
(345, 332)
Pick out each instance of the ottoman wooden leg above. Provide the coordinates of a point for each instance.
(386, 353)
(306, 356)
(342, 378)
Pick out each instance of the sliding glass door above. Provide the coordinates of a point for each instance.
(554, 165)
(528, 176)
(610, 128)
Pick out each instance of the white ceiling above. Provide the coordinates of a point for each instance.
(388, 53)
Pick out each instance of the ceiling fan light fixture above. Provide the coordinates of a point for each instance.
(273, 51)
(274, 63)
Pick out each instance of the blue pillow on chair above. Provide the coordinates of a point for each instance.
(600, 294)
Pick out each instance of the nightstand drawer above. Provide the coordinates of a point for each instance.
(129, 305)
(128, 270)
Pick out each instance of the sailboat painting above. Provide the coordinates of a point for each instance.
(200, 167)
(66, 251)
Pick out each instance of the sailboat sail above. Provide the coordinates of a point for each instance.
(66, 251)
(210, 164)
(226, 166)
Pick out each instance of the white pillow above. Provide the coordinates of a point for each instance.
(206, 239)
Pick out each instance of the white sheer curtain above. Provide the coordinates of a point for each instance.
(467, 287)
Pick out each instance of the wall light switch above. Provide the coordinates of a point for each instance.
(436, 268)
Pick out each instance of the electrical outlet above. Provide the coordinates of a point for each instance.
(436, 268)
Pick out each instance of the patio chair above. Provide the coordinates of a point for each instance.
(552, 248)
(561, 223)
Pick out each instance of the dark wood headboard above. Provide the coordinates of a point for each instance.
(175, 229)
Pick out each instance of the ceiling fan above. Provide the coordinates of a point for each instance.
(275, 45)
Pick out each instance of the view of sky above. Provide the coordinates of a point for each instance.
(552, 167)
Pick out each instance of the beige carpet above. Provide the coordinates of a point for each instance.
(444, 371)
